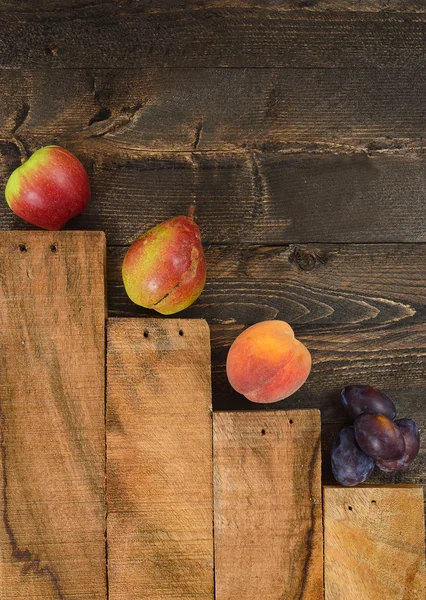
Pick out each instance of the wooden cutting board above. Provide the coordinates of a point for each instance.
(267, 505)
(52, 451)
(374, 543)
(159, 460)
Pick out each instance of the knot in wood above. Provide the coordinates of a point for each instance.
(307, 258)
(304, 258)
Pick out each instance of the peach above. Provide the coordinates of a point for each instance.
(266, 363)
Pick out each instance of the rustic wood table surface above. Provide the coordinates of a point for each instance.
(297, 127)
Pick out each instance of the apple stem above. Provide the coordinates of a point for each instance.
(191, 212)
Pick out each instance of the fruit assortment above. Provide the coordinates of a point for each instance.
(376, 438)
(164, 270)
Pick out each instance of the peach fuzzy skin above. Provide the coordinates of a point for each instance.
(165, 268)
(266, 363)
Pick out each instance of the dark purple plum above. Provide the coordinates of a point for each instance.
(379, 437)
(411, 436)
(358, 399)
(350, 465)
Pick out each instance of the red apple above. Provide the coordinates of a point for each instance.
(49, 188)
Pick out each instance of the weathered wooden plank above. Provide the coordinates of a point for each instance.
(360, 309)
(216, 109)
(52, 320)
(267, 505)
(115, 34)
(159, 460)
(65, 6)
(251, 198)
(374, 543)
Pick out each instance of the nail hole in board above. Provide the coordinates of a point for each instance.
(180, 332)
(53, 248)
(22, 248)
(52, 50)
(291, 421)
(373, 502)
(350, 508)
(263, 432)
(145, 334)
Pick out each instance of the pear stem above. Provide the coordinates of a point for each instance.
(191, 212)
(22, 150)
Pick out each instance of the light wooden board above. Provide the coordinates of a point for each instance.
(267, 499)
(52, 339)
(374, 543)
(159, 460)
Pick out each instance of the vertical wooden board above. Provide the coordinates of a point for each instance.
(374, 543)
(52, 452)
(267, 505)
(159, 460)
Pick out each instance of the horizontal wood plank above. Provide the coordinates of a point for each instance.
(360, 309)
(250, 198)
(116, 34)
(151, 6)
(131, 110)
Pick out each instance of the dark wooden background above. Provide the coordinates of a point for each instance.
(297, 127)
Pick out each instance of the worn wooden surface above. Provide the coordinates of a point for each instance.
(267, 505)
(374, 543)
(159, 460)
(156, 109)
(288, 122)
(383, 6)
(145, 33)
(52, 451)
(62, 6)
(243, 199)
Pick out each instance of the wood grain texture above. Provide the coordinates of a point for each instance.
(374, 543)
(159, 464)
(360, 309)
(65, 6)
(52, 322)
(215, 109)
(252, 198)
(267, 505)
(117, 34)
